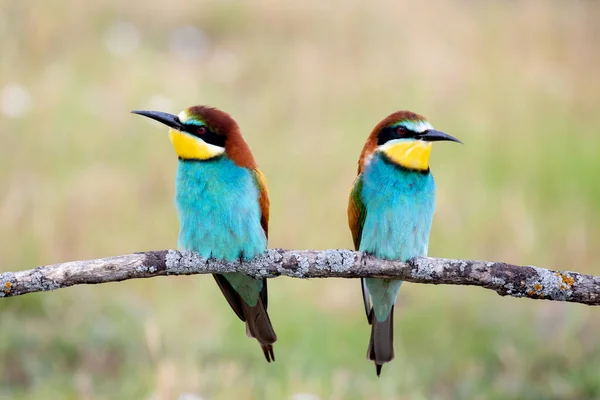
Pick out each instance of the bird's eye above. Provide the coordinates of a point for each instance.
(201, 130)
(401, 130)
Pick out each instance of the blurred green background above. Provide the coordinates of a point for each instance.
(80, 177)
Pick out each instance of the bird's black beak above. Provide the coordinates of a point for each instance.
(432, 135)
(170, 120)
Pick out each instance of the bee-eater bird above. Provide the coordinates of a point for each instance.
(390, 211)
(223, 207)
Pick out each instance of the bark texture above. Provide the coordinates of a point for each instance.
(505, 279)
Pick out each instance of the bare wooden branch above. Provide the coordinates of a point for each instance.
(505, 279)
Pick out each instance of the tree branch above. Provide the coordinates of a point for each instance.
(505, 279)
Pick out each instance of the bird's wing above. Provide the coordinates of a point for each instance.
(233, 298)
(357, 213)
(263, 202)
(263, 199)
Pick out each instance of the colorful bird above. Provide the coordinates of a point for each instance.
(390, 211)
(223, 207)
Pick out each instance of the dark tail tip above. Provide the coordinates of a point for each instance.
(268, 351)
(381, 343)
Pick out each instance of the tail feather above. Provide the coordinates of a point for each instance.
(258, 326)
(381, 343)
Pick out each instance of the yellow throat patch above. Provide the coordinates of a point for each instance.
(413, 154)
(190, 147)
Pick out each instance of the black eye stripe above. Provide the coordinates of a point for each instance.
(209, 136)
(394, 132)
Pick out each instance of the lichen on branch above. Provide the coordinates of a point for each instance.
(505, 279)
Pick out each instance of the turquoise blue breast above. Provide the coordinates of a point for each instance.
(218, 208)
(400, 205)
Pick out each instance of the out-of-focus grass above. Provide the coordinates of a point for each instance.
(518, 82)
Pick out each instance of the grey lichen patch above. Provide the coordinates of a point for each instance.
(304, 264)
(546, 284)
(184, 263)
(423, 268)
(337, 261)
(255, 267)
(220, 266)
(497, 281)
(143, 269)
(348, 260)
(39, 282)
(296, 265)
(510, 289)
(172, 259)
(274, 256)
(324, 259)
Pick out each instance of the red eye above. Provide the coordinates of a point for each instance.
(401, 130)
(201, 130)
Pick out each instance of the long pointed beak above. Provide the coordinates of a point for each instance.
(168, 119)
(432, 135)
